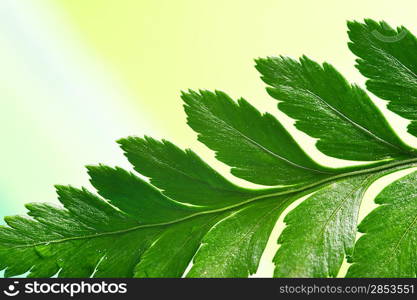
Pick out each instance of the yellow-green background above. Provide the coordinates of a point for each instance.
(78, 74)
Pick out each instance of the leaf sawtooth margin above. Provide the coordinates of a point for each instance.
(388, 58)
(121, 234)
(320, 232)
(190, 213)
(257, 147)
(343, 118)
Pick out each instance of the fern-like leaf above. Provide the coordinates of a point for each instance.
(188, 220)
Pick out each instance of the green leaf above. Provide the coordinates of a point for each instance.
(136, 231)
(135, 197)
(71, 240)
(257, 146)
(234, 246)
(341, 116)
(174, 249)
(124, 248)
(388, 246)
(188, 220)
(388, 58)
(321, 230)
(195, 182)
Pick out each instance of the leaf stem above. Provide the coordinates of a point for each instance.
(294, 194)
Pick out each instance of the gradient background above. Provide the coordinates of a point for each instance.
(78, 74)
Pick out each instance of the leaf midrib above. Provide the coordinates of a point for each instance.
(238, 191)
(262, 148)
(291, 192)
(399, 62)
(358, 126)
